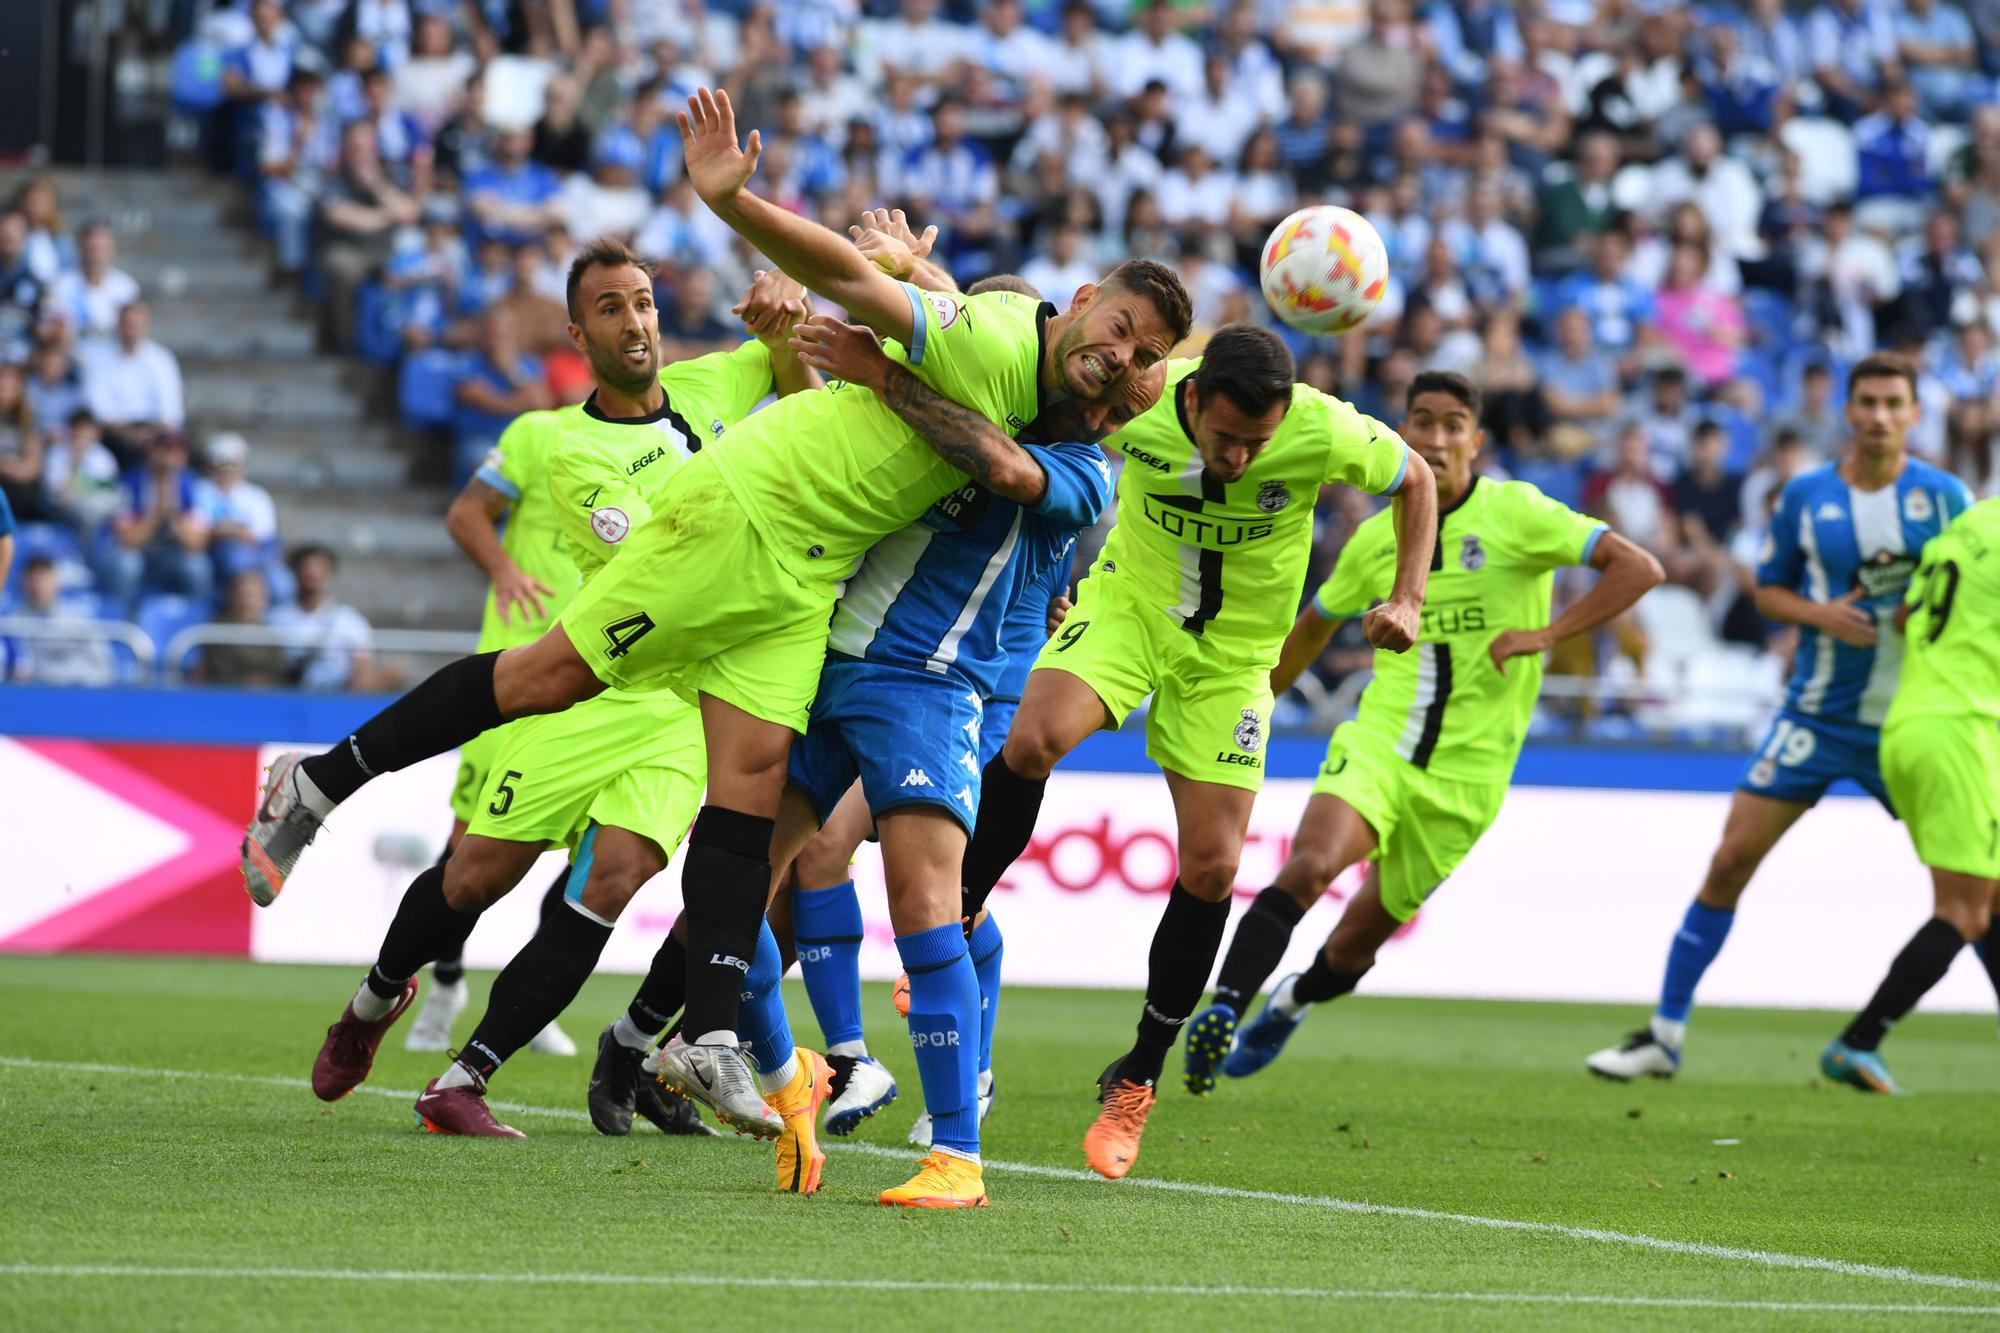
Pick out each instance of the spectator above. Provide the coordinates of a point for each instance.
(1194, 197)
(360, 213)
(1218, 118)
(55, 386)
(1666, 419)
(1745, 93)
(1306, 132)
(50, 250)
(86, 301)
(21, 291)
(953, 180)
(501, 382)
(1154, 52)
(1580, 382)
(21, 460)
(609, 201)
(694, 325)
(1722, 187)
(1580, 205)
(1852, 47)
(159, 538)
(1082, 59)
(1066, 143)
(80, 480)
(1634, 501)
(1938, 275)
(916, 43)
(246, 601)
(48, 658)
(245, 532)
(1857, 274)
(432, 82)
(1772, 37)
(6, 540)
(1129, 170)
(1490, 250)
(1263, 198)
(1708, 503)
(512, 199)
(1704, 328)
(1816, 422)
(1516, 412)
(296, 150)
(1252, 66)
(1894, 150)
(262, 66)
(133, 385)
(1619, 309)
(561, 140)
(401, 144)
(328, 645)
(1934, 42)
(1062, 268)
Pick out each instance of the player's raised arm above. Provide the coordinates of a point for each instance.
(1626, 572)
(473, 522)
(1393, 624)
(885, 237)
(770, 310)
(827, 263)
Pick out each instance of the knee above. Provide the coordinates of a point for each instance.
(471, 884)
(1970, 917)
(1209, 873)
(1032, 751)
(1307, 874)
(1348, 951)
(818, 866)
(615, 881)
(1729, 873)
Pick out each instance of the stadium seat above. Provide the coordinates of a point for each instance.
(1829, 164)
(162, 615)
(374, 336)
(1556, 478)
(426, 386)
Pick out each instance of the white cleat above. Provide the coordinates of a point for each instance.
(286, 822)
(920, 1133)
(552, 1040)
(719, 1078)
(1641, 1054)
(441, 1007)
(865, 1088)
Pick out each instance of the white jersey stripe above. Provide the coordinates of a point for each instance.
(1421, 701)
(1189, 557)
(1813, 696)
(947, 650)
(874, 587)
(1878, 526)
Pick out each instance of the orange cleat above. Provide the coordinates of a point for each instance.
(797, 1103)
(1112, 1144)
(942, 1181)
(899, 995)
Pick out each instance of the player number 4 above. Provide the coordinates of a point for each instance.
(624, 633)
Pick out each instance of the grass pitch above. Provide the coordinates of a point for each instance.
(1410, 1164)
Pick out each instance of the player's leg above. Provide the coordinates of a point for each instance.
(437, 912)
(1753, 828)
(448, 994)
(457, 703)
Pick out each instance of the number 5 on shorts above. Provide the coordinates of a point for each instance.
(1071, 632)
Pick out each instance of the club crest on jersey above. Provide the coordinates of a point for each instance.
(1917, 505)
(1250, 732)
(1471, 554)
(944, 306)
(716, 427)
(1273, 496)
(610, 524)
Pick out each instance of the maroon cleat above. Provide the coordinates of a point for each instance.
(349, 1052)
(461, 1110)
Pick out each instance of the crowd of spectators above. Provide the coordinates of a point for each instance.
(1655, 234)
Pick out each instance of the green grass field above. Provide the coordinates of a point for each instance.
(1416, 1164)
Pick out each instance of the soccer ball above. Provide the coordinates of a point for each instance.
(1325, 269)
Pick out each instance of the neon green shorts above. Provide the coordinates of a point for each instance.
(627, 761)
(1209, 711)
(475, 757)
(1424, 825)
(698, 604)
(1943, 773)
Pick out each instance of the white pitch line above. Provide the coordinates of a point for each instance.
(982, 1286)
(1696, 1249)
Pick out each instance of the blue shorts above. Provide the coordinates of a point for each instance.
(912, 737)
(1800, 757)
(993, 731)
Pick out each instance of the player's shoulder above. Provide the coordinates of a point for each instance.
(1814, 482)
(1513, 498)
(1922, 473)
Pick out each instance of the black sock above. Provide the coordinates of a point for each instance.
(425, 929)
(1184, 949)
(1261, 937)
(1008, 807)
(1920, 966)
(535, 987)
(1323, 981)
(448, 971)
(555, 898)
(1989, 952)
(448, 709)
(664, 990)
(724, 884)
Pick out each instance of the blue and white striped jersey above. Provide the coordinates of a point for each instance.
(1828, 539)
(936, 594)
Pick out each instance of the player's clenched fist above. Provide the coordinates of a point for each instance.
(1393, 625)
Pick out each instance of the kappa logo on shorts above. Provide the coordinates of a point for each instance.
(964, 797)
(1250, 732)
(1273, 496)
(1470, 553)
(916, 777)
(610, 524)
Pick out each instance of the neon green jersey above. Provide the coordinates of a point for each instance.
(1227, 560)
(824, 476)
(604, 474)
(517, 467)
(1442, 704)
(1951, 645)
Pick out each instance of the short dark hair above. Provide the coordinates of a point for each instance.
(1882, 365)
(1443, 381)
(1004, 282)
(79, 415)
(1249, 366)
(601, 252)
(300, 554)
(39, 560)
(1707, 428)
(1158, 284)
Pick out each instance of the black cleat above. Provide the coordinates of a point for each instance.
(614, 1085)
(673, 1113)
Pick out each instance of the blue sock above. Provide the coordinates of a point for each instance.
(1695, 946)
(828, 922)
(763, 1022)
(944, 1028)
(987, 948)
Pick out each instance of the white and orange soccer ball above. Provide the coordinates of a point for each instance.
(1325, 269)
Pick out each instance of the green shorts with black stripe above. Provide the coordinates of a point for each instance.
(1209, 711)
(627, 761)
(1943, 773)
(1425, 826)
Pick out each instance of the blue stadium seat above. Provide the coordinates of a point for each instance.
(1559, 480)
(426, 387)
(375, 336)
(196, 80)
(162, 615)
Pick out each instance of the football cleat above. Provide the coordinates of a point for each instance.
(552, 1040)
(1857, 1069)
(1111, 1145)
(284, 826)
(719, 1078)
(942, 1181)
(461, 1110)
(348, 1052)
(899, 995)
(1259, 1043)
(431, 1030)
(920, 1133)
(1209, 1037)
(1641, 1053)
(860, 1087)
(674, 1114)
(800, 1161)
(614, 1085)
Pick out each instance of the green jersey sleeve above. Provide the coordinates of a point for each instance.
(599, 504)
(1361, 451)
(1355, 584)
(716, 391)
(515, 465)
(1546, 533)
(983, 352)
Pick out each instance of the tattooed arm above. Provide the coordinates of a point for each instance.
(959, 435)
